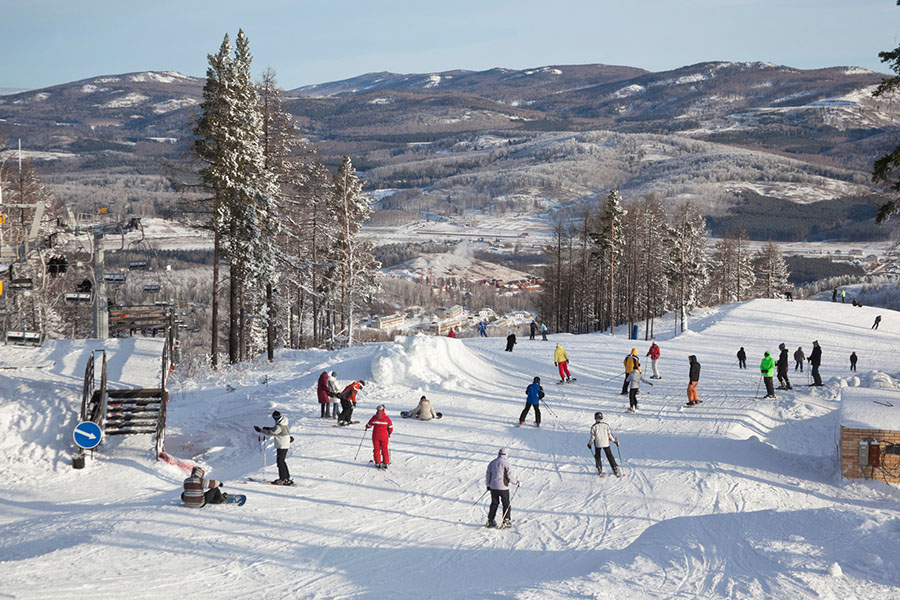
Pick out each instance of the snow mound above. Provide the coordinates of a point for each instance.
(422, 361)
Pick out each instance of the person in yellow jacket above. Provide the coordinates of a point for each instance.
(767, 367)
(561, 360)
(632, 362)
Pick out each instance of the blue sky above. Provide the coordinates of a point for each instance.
(47, 42)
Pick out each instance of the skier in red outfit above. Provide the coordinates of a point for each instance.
(322, 394)
(382, 428)
(348, 401)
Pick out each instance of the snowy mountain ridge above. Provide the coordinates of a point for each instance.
(735, 498)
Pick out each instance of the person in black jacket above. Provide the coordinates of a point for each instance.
(742, 358)
(815, 359)
(853, 361)
(782, 368)
(510, 341)
(694, 377)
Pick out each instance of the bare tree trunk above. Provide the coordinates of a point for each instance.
(270, 316)
(214, 344)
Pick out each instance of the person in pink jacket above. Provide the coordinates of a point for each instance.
(322, 394)
(382, 428)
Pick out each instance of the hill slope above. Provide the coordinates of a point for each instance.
(738, 498)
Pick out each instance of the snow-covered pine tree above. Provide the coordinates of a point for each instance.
(609, 241)
(357, 264)
(656, 260)
(688, 272)
(772, 271)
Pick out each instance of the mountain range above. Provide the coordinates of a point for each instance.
(540, 140)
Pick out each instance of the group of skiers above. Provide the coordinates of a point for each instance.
(769, 367)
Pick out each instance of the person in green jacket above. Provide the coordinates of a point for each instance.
(767, 366)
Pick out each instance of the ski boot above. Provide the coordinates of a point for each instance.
(491, 524)
(568, 380)
(537, 424)
(506, 524)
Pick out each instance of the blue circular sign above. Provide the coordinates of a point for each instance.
(87, 434)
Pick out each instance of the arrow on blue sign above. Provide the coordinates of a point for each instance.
(87, 434)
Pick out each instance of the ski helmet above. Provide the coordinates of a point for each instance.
(333, 374)
(362, 382)
(276, 415)
(598, 416)
(422, 398)
(380, 407)
(537, 380)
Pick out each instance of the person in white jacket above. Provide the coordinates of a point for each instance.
(601, 435)
(283, 439)
(497, 479)
(424, 411)
(333, 391)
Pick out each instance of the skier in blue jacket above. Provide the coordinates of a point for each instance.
(533, 395)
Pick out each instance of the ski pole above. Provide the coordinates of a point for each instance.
(360, 444)
(620, 455)
(547, 406)
(509, 506)
(471, 508)
(613, 377)
(756, 395)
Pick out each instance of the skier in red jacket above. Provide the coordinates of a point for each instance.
(322, 394)
(382, 428)
(348, 401)
(654, 357)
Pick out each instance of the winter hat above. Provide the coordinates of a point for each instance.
(422, 398)
(502, 452)
(815, 342)
(634, 350)
(333, 374)
(692, 358)
(766, 353)
(362, 382)
(380, 407)
(781, 346)
(537, 380)
(598, 416)
(276, 415)
(197, 472)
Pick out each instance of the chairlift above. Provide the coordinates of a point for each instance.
(57, 265)
(24, 338)
(78, 297)
(114, 278)
(23, 283)
(151, 288)
(85, 287)
(137, 265)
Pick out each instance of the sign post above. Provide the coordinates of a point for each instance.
(87, 435)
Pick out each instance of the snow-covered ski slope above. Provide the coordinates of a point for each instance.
(736, 498)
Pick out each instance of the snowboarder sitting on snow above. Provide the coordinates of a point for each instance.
(601, 435)
(693, 378)
(382, 428)
(853, 358)
(654, 353)
(767, 367)
(799, 356)
(283, 440)
(742, 358)
(631, 362)
(194, 495)
(498, 477)
(424, 411)
(333, 393)
(348, 401)
(533, 395)
(510, 341)
(561, 361)
(782, 365)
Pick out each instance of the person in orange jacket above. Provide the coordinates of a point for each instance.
(382, 428)
(348, 401)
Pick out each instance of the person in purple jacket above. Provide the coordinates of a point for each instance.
(497, 479)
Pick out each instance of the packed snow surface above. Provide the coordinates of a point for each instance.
(735, 498)
(870, 409)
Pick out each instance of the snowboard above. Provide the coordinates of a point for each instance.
(561, 381)
(346, 425)
(238, 499)
(405, 414)
(266, 481)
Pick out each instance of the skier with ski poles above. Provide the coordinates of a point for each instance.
(283, 440)
(601, 435)
(382, 428)
(815, 359)
(497, 478)
(561, 361)
(654, 353)
(632, 362)
(782, 368)
(533, 395)
(633, 380)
